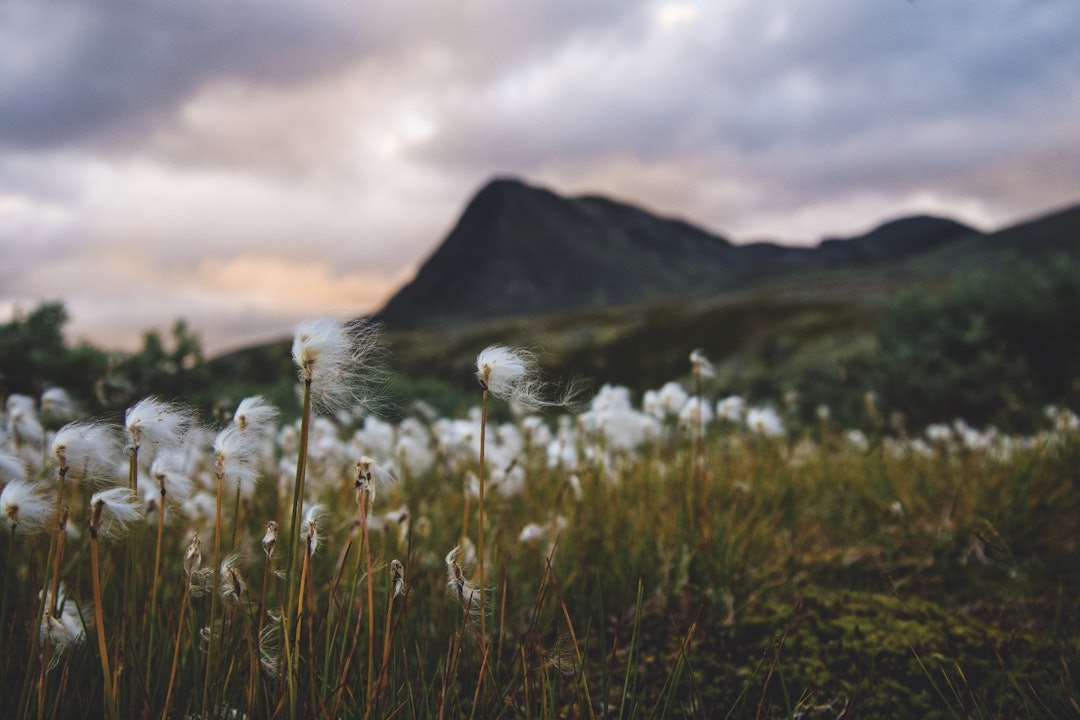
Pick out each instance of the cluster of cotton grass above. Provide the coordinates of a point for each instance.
(123, 515)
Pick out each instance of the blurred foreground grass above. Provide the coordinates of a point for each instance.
(815, 577)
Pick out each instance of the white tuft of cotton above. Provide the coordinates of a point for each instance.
(24, 508)
(254, 414)
(86, 450)
(512, 374)
(234, 458)
(112, 512)
(153, 425)
(12, 469)
(339, 360)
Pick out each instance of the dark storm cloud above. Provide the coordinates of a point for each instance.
(793, 77)
(107, 71)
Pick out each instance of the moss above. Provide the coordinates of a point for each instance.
(877, 655)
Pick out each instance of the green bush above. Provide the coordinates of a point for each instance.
(34, 355)
(991, 348)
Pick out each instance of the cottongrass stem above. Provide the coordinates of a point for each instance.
(97, 518)
(398, 589)
(311, 544)
(337, 362)
(192, 561)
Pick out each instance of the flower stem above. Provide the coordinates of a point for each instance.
(216, 567)
(176, 649)
(294, 535)
(103, 649)
(480, 518)
(370, 598)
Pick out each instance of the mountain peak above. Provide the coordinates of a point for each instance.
(518, 249)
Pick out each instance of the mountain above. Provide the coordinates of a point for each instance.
(521, 250)
(1051, 234)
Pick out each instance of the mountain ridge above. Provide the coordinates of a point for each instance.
(520, 250)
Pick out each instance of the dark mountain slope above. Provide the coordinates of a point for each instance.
(522, 250)
(1056, 233)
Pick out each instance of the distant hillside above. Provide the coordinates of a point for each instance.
(1055, 233)
(519, 250)
(802, 313)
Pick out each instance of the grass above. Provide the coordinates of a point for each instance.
(805, 577)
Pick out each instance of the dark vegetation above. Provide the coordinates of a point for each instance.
(991, 347)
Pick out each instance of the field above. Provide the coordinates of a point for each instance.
(678, 555)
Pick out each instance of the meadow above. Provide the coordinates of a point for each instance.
(546, 554)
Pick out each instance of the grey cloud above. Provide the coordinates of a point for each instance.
(840, 69)
(810, 99)
(76, 72)
(102, 73)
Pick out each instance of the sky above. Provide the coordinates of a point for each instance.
(248, 164)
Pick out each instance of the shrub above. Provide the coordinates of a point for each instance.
(991, 348)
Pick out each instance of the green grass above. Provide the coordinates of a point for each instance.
(789, 586)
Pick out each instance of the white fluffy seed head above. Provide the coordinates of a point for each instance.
(255, 415)
(112, 512)
(368, 474)
(700, 365)
(24, 508)
(193, 555)
(397, 577)
(23, 424)
(270, 538)
(86, 450)
(500, 369)
(512, 374)
(232, 583)
(532, 533)
(56, 404)
(235, 453)
(12, 469)
(153, 424)
(312, 516)
(339, 359)
(170, 475)
(64, 632)
(457, 584)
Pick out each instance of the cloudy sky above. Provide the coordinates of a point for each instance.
(250, 163)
